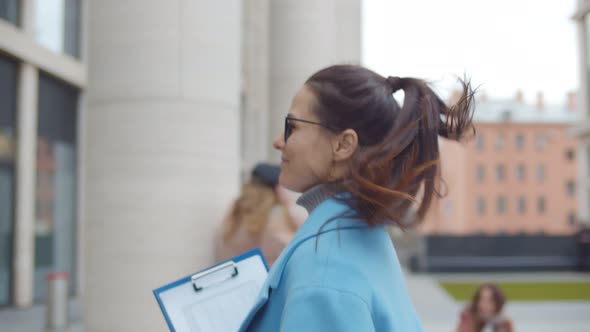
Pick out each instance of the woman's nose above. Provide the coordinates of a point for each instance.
(278, 142)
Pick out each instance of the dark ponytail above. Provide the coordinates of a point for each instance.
(398, 157)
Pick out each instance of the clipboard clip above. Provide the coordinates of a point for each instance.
(222, 267)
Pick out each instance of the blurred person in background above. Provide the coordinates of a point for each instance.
(263, 216)
(485, 312)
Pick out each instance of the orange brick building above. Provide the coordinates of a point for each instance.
(516, 176)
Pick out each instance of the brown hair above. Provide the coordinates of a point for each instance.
(497, 295)
(251, 210)
(398, 153)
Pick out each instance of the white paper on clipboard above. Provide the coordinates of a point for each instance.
(216, 299)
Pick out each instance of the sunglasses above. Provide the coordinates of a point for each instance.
(288, 130)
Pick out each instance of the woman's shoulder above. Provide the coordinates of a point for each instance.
(330, 260)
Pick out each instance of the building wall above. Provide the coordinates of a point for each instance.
(458, 213)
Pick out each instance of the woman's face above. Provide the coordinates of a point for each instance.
(486, 306)
(306, 156)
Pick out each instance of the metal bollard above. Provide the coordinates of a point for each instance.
(57, 301)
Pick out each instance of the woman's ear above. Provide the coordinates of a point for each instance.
(345, 145)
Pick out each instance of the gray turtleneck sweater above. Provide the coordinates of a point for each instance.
(312, 198)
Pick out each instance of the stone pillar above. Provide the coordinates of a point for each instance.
(161, 149)
(255, 84)
(307, 35)
(26, 156)
(24, 239)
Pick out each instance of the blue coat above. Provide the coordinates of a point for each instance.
(351, 282)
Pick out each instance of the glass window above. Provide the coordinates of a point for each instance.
(519, 142)
(500, 172)
(55, 213)
(480, 173)
(481, 206)
(541, 142)
(540, 172)
(8, 77)
(520, 172)
(499, 142)
(9, 11)
(501, 205)
(541, 204)
(479, 142)
(521, 205)
(571, 219)
(571, 188)
(57, 25)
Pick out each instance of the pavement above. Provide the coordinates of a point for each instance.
(33, 319)
(437, 310)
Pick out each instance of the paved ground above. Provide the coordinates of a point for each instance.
(439, 311)
(436, 308)
(33, 320)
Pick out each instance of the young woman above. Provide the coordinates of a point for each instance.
(360, 161)
(484, 313)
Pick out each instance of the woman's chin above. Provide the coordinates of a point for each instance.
(290, 185)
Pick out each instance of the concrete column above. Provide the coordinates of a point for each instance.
(255, 83)
(24, 238)
(161, 154)
(306, 36)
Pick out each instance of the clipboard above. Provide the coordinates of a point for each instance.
(216, 299)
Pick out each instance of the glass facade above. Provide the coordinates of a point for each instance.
(10, 11)
(55, 213)
(8, 78)
(58, 25)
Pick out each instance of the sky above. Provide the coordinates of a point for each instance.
(503, 45)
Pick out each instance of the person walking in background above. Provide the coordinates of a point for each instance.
(485, 312)
(264, 216)
(360, 161)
